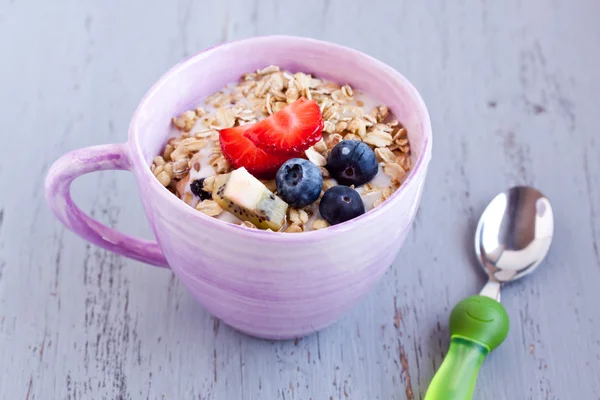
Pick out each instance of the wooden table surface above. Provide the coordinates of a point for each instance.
(512, 87)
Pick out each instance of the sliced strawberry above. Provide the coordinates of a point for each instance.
(241, 152)
(290, 130)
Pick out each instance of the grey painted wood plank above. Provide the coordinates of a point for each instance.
(511, 88)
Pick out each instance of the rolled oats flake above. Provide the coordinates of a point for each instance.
(380, 113)
(193, 145)
(209, 207)
(245, 87)
(328, 87)
(400, 134)
(351, 136)
(303, 215)
(249, 76)
(167, 152)
(307, 93)
(329, 127)
(370, 188)
(215, 99)
(222, 165)
(358, 112)
(387, 192)
(324, 172)
(358, 126)
(394, 171)
(200, 112)
(331, 113)
(320, 224)
(347, 91)
(261, 88)
(212, 159)
(204, 133)
(174, 142)
(164, 178)
(404, 161)
(277, 84)
(267, 70)
(209, 183)
(292, 95)
(225, 118)
(314, 157)
(334, 140)
(158, 169)
(384, 127)
(268, 104)
(246, 115)
(158, 160)
(402, 141)
(340, 96)
(185, 121)
(303, 80)
(208, 121)
(320, 146)
(179, 153)
(181, 167)
(341, 126)
(385, 155)
(369, 120)
(195, 162)
(328, 184)
(169, 169)
(294, 216)
(378, 138)
(293, 229)
(316, 96)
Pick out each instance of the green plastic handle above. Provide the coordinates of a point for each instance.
(478, 325)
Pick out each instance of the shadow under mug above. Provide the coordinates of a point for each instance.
(266, 284)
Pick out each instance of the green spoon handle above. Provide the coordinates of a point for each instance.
(456, 377)
(478, 325)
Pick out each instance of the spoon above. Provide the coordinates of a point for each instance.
(512, 238)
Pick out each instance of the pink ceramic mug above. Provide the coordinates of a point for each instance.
(270, 285)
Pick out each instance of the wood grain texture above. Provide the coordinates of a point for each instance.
(512, 90)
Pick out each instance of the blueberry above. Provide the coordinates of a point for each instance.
(340, 204)
(352, 162)
(299, 182)
(197, 187)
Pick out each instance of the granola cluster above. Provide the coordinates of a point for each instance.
(258, 95)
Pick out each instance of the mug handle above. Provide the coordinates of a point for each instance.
(58, 186)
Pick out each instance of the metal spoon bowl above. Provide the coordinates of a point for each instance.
(513, 236)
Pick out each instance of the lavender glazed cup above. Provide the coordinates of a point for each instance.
(269, 285)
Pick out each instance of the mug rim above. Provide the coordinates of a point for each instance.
(138, 160)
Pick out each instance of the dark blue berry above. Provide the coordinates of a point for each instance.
(340, 204)
(299, 182)
(197, 187)
(352, 162)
